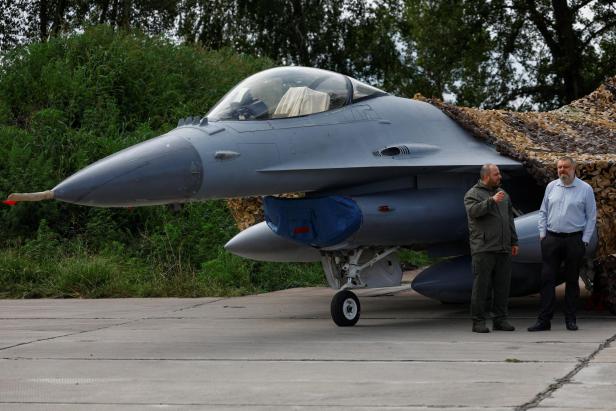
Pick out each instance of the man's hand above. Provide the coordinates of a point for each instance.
(498, 197)
(514, 250)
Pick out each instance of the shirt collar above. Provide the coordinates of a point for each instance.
(573, 183)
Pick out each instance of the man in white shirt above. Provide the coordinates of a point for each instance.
(567, 221)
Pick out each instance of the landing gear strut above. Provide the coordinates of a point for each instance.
(345, 308)
(359, 268)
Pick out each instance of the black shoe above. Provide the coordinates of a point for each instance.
(540, 326)
(503, 326)
(480, 328)
(571, 325)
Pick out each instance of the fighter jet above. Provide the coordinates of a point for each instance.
(377, 173)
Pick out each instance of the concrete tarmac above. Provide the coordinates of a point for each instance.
(281, 351)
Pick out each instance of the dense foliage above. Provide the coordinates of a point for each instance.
(72, 91)
(72, 100)
(522, 54)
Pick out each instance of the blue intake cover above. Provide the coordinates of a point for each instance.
(318, 222)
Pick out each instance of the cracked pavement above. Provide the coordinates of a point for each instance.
(280, 351)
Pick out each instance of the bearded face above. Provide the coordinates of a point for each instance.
(566, 171)
(493, 179)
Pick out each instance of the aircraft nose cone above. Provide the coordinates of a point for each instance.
(165, 169)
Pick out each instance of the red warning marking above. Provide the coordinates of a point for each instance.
(10, 202)
(301, 230)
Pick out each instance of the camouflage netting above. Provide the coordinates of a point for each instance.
(584, 130)
(246, 211)
(607, 277)
(249, 210)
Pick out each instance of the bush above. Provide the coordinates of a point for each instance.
(73, 100)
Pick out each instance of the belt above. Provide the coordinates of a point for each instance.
(565, 234)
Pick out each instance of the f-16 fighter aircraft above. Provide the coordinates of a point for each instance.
(379, 172)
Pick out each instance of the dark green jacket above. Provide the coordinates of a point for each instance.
(490, 225)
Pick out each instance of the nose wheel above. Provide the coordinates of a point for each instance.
(345, 308)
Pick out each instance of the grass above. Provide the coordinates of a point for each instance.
(412, 259)
(46, 268)
(83, 275)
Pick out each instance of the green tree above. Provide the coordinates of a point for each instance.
(574, 36)
(72, 100)
(24, 21)
(448, 45)
(347, 36)
(498, 53)
(10, 31)
(504, 53)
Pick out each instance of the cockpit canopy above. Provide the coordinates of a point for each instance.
(285, 92)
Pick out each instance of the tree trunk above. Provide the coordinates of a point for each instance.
(124, 21)
(298, 34)
(58, 18)
(113, 19)
(567, 63)
(43, 19)
(104, 12)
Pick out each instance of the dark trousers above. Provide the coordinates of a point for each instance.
(555, 252)
(492, 278)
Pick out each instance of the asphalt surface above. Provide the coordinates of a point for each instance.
(281, 351)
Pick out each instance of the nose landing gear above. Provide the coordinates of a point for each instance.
(345, 308)
(360, 268)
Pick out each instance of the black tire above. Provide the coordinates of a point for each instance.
(345, 308)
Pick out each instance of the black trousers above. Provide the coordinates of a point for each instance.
(555, 252)
(492, 278)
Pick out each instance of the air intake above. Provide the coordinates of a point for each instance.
(393, 151)
(405, 150)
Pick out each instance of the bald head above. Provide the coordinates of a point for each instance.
(485, 170)
(489, 174)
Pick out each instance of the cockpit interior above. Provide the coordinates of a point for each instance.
(286, 92)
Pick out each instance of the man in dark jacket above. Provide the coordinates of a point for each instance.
(493, 241)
